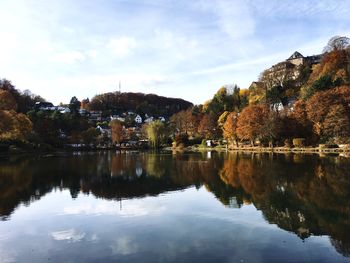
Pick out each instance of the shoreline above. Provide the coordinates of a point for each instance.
(305, 150)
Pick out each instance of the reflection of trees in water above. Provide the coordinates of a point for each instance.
(300, 193)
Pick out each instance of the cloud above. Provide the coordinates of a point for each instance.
(68, 235)
(122, 46)
(129, 209)
(69, 57)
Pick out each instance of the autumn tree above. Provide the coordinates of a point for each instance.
(85, 104)
(7, 101)
(222, 119)
(208, 126)
(230, 128)
(296, 124)
(117, 131)
(24, 100)
(337, 123)
(156, 133)
(319, 105)
(272, 126)
(251, 122)
(14, 126)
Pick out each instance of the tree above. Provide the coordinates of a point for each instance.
(297, 123)
(319, 105)
(208, 126)
(7, 101)
(85, 104)
(230, 128)
(333, 71)
(117, 131)
(272, 126)
(337, 123)
(156, 133)
(14, 126)
(74, 105)
(251, 122)
(90, 135)
(222, 119)
(337, 43)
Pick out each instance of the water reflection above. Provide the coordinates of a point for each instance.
(303, 194)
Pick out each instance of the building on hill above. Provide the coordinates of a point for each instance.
(289, 69)
(298, 59)
(280, 76)
(44, 106)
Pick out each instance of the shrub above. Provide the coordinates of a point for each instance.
(299, 142)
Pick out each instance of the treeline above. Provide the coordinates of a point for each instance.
(142, 104)
(309, 103)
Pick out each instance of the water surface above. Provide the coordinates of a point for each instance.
(151, 207)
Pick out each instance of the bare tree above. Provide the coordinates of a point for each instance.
(337, 43)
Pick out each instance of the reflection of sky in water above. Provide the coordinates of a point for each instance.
(185, 226)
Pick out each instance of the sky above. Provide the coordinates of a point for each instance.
(180, 48)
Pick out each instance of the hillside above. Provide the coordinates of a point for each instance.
(141, 103)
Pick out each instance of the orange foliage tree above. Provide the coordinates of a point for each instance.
(319, 105)
(117, 131)
(7, 101)
(208, 126)
(251, 122)
(230, 128)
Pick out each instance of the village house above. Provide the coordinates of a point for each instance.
(138, 119)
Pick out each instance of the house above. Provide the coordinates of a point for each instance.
(44, 106)
(138, 119)
(298, 59)
(149, 120)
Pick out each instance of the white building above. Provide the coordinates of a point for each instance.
(138, 119)
(149, 119)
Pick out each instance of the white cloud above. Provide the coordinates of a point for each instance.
(122, 46)
(68, 57)
(68, 235)
(129, 209)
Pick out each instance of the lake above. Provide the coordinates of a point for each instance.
(174, 207)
